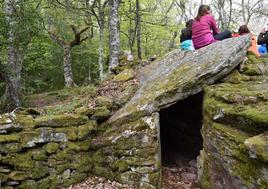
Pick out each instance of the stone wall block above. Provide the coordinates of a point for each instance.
(60, 120)
(46, 135)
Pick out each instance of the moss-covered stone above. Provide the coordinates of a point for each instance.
(18, 175)
(72, 146)
(9, 138)
(129, 177)
(243, 106)
(258, 145)
(104, 101)
(3, 177)
(75, 178)
(51, 147)
(47, 183)
(229, 156)
(40, 155)
(98, 157)
(126, 75)
(253, 69)
(101, 113)
(27, 136)
(85, 130)
(39, 171)
(5, 169)
(121, 166)
(21, 161)
(61, 168)
(26, 121)
(28, 184)
(85, 111)
(103, 171)
(66, 154)
(154, 179)
(10, 147)
(71, 132)
(60, 120)
(44, 135)
(84, 145)
(83, 163)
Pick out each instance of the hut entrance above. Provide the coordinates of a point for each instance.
(181, 142)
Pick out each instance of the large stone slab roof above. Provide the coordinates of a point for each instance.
(181, 74)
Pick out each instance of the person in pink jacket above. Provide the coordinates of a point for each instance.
(205, 30)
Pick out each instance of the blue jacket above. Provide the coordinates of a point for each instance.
(262, 49)
(187, 45)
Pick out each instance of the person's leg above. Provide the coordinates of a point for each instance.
(223, 35)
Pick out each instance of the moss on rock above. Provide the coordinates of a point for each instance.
(39, 171)
(60, 120)
(125, 75)
(18, 175)
(10, 147)
(85, 130)
(28, 184)
(71, 132)
(258, 145)
(21, 161)
(104, 101)
(85, 111)
(121, 166)
(40, 155)
(51, 147)
(101, 113)
(3, 177)
(9, 138)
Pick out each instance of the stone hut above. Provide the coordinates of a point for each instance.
(211, 103)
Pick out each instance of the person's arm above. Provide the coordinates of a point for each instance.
(213, 25)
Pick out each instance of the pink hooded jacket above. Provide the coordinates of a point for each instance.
(203, 31)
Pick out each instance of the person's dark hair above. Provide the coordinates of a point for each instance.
(186, 33)
(243, 29)
(189, 23)
(203, 10)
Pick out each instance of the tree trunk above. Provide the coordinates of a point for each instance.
(172, 41)
(131, 30)
(114, 34)
(101, 42)
(243, 10)
(67, 66)
(138, 22)
(88, 79)
(14, 57)
(230, 13)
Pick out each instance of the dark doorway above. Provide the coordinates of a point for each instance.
(181, 139)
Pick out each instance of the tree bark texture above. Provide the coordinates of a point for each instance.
(131, 31)
(14, 56)
(114, 34)
(138, 23)
(67, 66)
(101, 42)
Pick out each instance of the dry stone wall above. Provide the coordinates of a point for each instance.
(234, 130)
(57, 151)
(45, 152)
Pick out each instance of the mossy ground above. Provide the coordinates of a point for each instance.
(69, 99)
